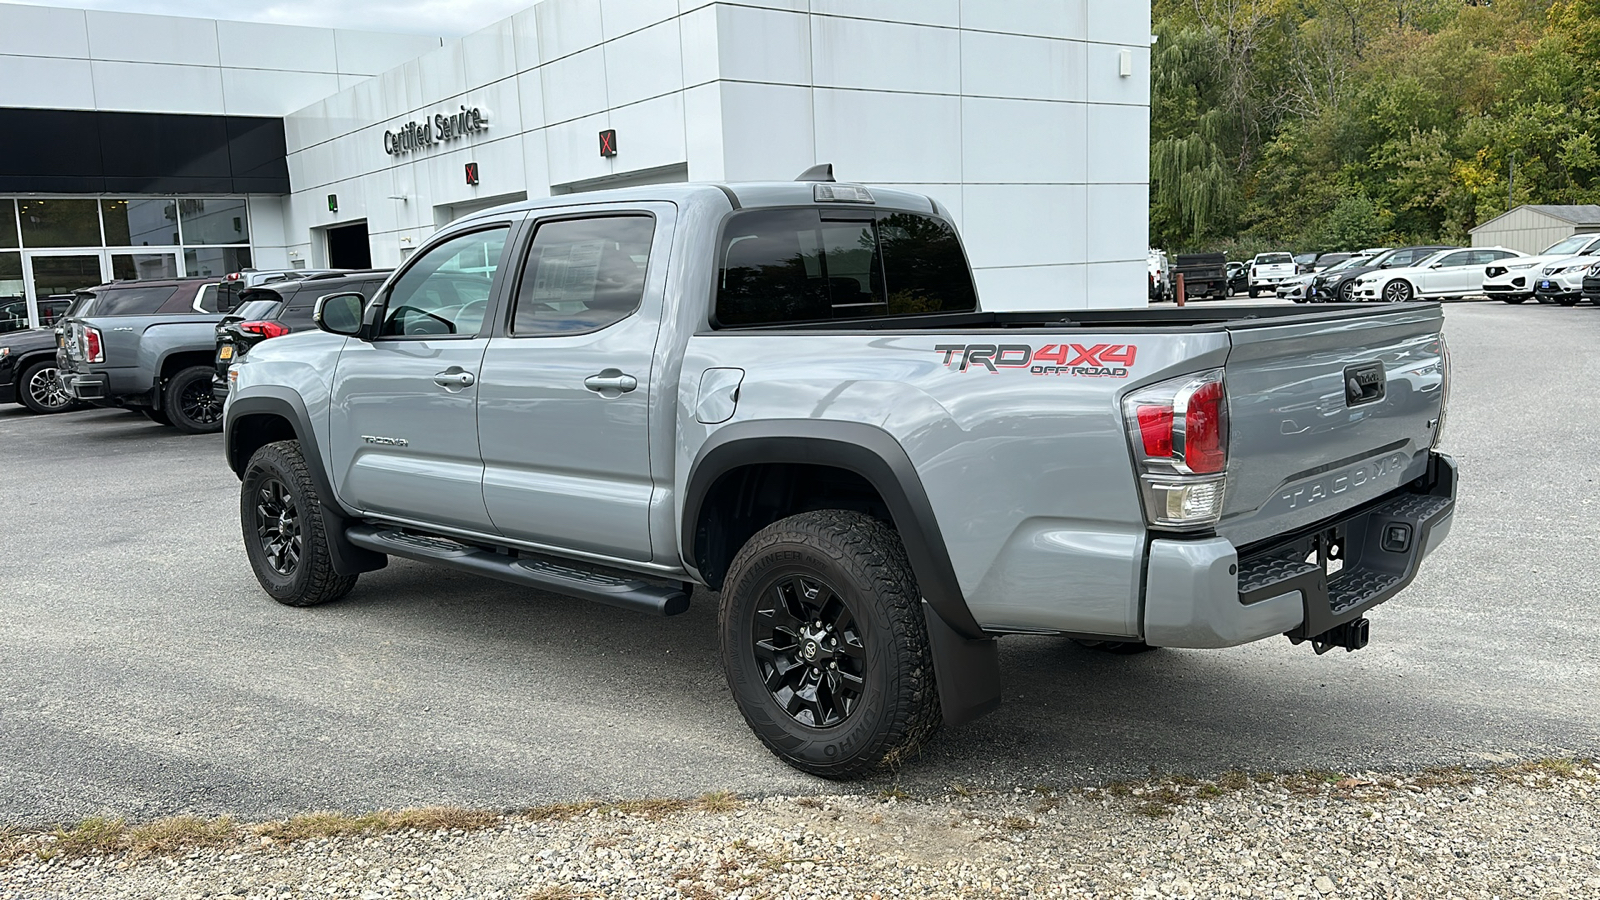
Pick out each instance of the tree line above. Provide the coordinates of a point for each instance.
(1342, 124)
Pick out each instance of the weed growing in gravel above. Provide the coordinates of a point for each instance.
(335, 824)
(650, 808)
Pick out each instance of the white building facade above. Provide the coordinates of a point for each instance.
(1028, 119)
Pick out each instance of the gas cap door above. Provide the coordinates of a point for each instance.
(719, 395)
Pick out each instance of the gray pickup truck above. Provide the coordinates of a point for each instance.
(145, 345)
(787, 393)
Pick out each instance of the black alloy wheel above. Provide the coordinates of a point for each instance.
(809, 650)
(41, 389)
(1397, 291)
(191, 403)
(824, 644)
(278, 527)
(285, 529)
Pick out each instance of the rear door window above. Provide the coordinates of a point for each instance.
(804, 265)
(583, 275)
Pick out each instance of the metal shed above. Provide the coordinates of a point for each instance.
(1533, 228)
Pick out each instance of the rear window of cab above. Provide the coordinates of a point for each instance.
(780, 266)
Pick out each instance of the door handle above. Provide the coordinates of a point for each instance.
(611, 383)
(454, 377)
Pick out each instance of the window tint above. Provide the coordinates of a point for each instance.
(133, 301)
(1484, 257)
(254, 310)
(446, 291)
(583, 275)
(1274, 259)
(1451, 260)
(792, 265)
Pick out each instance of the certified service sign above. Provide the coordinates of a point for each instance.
(442, 127)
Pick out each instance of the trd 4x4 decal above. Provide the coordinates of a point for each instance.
(1098, 361)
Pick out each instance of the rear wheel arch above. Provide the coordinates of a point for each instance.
(750, 475)
(178, 360)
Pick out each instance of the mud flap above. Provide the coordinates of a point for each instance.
(967, 671)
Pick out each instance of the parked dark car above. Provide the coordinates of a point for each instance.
(1238, 277)
(1305, 263)
(1205, 275)
(1328, 260)
(29, 374)
(1591, 284)
(236, 283)
(14, 313)
(1340, 286)
(279, 308)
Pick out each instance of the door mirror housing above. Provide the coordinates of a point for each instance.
(340, 313)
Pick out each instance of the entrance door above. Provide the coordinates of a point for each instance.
(404, 428)
(53, 277)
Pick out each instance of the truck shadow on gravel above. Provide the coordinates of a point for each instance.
(1070, 715)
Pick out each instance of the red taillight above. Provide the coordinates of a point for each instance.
(92, 350)
(265, 329)
(1205, 439)
(1179, 432)
(1155, 430)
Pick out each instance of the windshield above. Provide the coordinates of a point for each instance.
(1568, 247)
(1273, 259)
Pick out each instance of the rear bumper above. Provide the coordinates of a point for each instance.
(109, 387)
(88, 387)
(1202, 594)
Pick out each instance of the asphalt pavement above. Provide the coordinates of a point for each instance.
(143, 673)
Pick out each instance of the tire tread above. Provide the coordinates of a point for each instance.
(323, 584)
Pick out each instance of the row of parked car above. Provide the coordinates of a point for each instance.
(162, 347)
(1564, 273)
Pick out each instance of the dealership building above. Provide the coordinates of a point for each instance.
(152, 146)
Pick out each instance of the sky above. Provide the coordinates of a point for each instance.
(443, 17)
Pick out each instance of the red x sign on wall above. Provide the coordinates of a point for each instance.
(608, 142)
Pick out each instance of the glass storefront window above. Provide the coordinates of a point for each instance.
(13, 302)
(140, 223)
(59, 223)
(212, 221)
(8, 223)
(216, 262)
(143, 266)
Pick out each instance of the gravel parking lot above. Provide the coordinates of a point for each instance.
(144, 674)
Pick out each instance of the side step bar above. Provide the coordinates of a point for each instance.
(544, 574)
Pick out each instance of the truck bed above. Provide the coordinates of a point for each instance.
(1186, 319)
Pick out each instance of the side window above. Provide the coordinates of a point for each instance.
(206, 300)
(583, 275)
(446, 291)
(1503, 254)
(1484, 257)
(1453, 260)
(794, 265)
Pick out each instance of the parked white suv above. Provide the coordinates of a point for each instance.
(1516, 281)
(1448, 273)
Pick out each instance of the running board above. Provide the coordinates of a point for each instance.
(544, 574)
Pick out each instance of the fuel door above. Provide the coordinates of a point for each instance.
(719, 395)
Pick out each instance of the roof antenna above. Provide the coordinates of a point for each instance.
(819, 172)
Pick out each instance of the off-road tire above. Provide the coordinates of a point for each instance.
(311, 580)
(864, 563)
(191, 387)
(1119, 648)
(39, 397)
(157, 416)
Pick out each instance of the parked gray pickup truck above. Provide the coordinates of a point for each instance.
(788, 394)
(145, 345)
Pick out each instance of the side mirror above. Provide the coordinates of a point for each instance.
(340, 313)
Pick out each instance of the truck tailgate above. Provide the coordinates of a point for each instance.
(1325, 416)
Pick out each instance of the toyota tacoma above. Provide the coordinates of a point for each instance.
(788, 395)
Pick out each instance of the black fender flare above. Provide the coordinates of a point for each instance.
(282, 403)
(966, 659)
